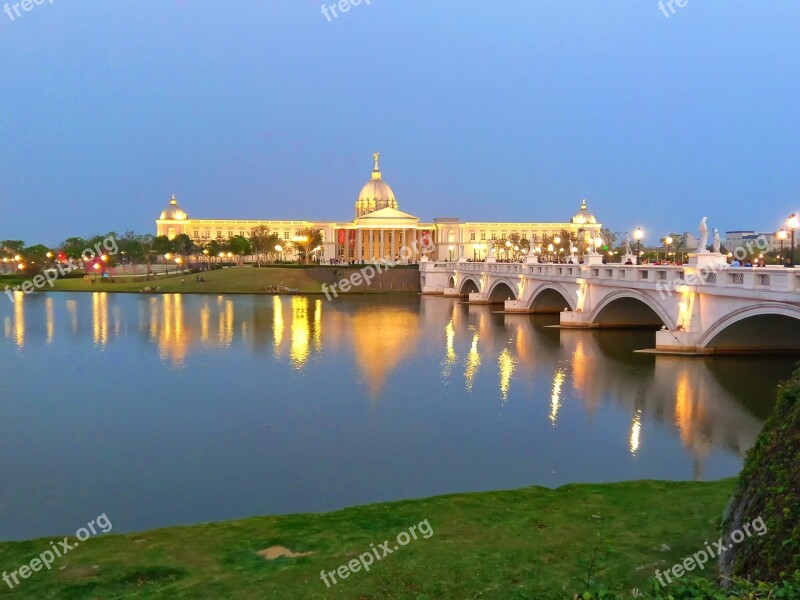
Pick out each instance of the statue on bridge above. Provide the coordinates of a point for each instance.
(702, 245)
(716, 241)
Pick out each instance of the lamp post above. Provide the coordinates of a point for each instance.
(793, 222)
(167, 257)
(667, 245)
(550, 252)
(638, 234)
(782, 235)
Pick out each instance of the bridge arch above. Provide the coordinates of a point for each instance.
(551, 297)
(768, 325)
(630, 308)
(468, 285)
(501, 291)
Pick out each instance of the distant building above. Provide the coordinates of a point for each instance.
(380, 229)
(739, 239)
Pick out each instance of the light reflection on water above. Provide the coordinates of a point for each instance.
(177, 409)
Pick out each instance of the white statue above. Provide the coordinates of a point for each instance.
(716, 241)
(702, 245)
(591, 246)
(491, 249)
(628, 250)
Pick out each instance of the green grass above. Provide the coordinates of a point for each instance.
(244, 280)
(530, 543)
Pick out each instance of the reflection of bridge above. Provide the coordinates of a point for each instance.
(724, 310)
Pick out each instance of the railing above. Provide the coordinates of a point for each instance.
(777, 279)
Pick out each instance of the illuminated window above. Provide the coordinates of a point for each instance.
(219, 234)
(471, 236)
(483, 236)
(286, 234)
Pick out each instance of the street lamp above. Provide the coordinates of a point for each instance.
(793, 222)
(167, 257)
(638, 234)
(667, 245)
(550, 251)
(279, 250)
(782, 235)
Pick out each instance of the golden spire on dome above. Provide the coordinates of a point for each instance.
(583, 204)
(376, 172)
(173, 201)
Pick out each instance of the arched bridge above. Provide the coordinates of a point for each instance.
(701, 308)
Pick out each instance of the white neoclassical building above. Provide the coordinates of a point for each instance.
(380, 229)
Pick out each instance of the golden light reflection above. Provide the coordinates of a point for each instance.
(277, 324)
(507, 365)
(225, 322)
(173, 344)
(450, 352)
(19, 319)
(300, 332)
(473, 362)
(555, 396)
(394, 329)
(636, 431)
(50, 320)
(205, 320)
(318, 325)
(100, 318)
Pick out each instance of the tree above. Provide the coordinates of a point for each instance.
(73, 247)
(259, 237)
(239, 246)
(308, 239)
(183, 245)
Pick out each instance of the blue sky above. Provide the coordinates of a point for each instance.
(510, 110)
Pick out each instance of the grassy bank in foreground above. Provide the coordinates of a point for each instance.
(529, 543)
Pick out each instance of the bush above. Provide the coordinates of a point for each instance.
(769, 487)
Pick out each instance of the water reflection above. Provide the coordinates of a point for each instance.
(548, 405)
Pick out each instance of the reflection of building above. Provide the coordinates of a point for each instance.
(380, 229)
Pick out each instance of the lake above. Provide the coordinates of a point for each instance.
(165, 410)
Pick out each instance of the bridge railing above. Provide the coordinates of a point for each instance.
(776, 279)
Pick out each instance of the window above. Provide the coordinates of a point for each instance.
(207, 233)
(494, 235)
(471, 236)
(241, 232)
(286, 234)
(196, 233)
(230, 233)
(483, 236)
(219, 234)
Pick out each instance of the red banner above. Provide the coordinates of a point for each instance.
(341, 236)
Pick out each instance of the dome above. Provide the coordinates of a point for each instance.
(583, 216)
(376, 193)
(173, 212)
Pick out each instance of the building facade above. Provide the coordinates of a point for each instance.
(380, 229)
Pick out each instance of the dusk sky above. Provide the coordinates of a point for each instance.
(493, 111)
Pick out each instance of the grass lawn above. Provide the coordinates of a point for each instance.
(530, 543)
(244, 280)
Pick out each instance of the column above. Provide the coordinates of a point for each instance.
(394, 248)
(403, 241)
(382, 252)
(371, 244)
(358, 245)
